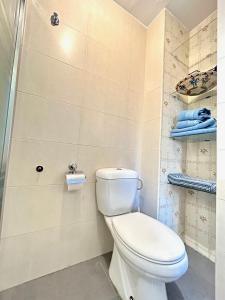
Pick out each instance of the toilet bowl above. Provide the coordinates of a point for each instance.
(157, 258)
(147, 254)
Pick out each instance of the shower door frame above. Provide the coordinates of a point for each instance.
(20, 16)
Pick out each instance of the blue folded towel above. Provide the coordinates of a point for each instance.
(208, 123)
(192, 182)
(188, 123)
(210, 129)
(196, 114)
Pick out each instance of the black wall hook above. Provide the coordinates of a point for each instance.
(39, 169)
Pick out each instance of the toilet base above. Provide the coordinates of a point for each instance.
(132, 284)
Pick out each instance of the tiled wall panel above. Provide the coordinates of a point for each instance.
(200, 230)
(151, 116)
(173, 153)
(79, 99)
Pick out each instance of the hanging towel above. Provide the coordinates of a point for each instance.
(194, 132)
(188, 123)
(192, 182)
(208, 123)
(196, 114)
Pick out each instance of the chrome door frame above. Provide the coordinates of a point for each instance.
(20, 16)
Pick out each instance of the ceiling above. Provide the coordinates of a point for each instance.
(190, 12)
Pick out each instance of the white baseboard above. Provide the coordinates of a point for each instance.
(199, 248)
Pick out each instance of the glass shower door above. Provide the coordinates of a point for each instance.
(9, 14)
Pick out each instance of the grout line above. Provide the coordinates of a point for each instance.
(27, 49)
(33, 140)
(59, 226)
(59, 101)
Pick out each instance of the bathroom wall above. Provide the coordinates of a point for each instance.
(200, 208)
(151, 115)
(220, 199)
(173, 153)
(191, 214)
(79, 95)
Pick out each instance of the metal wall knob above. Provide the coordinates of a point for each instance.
(39, 169)
(55, 19)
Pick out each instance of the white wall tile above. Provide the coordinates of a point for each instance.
(155, 53)
(151, 136)
(79, 206)
(153, 104)
(44, 76)
(96, 92)
(74, 14)
(62, 42)
(97, 58)
(30, 209)
(37, 118)
(54, 157)
(91, 128)
(14, 259)
(150, 176)
(92, 158)
(83, 241)
(151, 112)
(47, 251)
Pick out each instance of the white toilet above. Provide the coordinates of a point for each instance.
(146, 253)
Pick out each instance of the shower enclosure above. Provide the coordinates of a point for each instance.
(11, 27)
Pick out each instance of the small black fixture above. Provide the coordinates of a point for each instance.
(39, 169)
(55, 19)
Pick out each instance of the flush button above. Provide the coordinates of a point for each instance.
(39, 169)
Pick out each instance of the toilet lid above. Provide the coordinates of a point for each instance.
(148, 238)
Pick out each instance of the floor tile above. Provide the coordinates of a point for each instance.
(90, 280)
(197, 283)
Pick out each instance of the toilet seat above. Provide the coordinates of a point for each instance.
(148, 239)
(153, 266)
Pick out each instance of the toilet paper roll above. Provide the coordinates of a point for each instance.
(75, 181)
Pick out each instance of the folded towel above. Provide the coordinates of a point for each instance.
(196, 114)
(192, 182)
(210, 129)
(208, 123)
(188, 123)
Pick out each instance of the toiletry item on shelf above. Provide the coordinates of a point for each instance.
(195, 114)
(180, 179)
(197, 82)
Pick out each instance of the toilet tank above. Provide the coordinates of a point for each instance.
(116, 190)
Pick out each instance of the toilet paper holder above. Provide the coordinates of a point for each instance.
(72, 168)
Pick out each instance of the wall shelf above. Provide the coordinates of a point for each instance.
(203, 137)
(192, 99)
